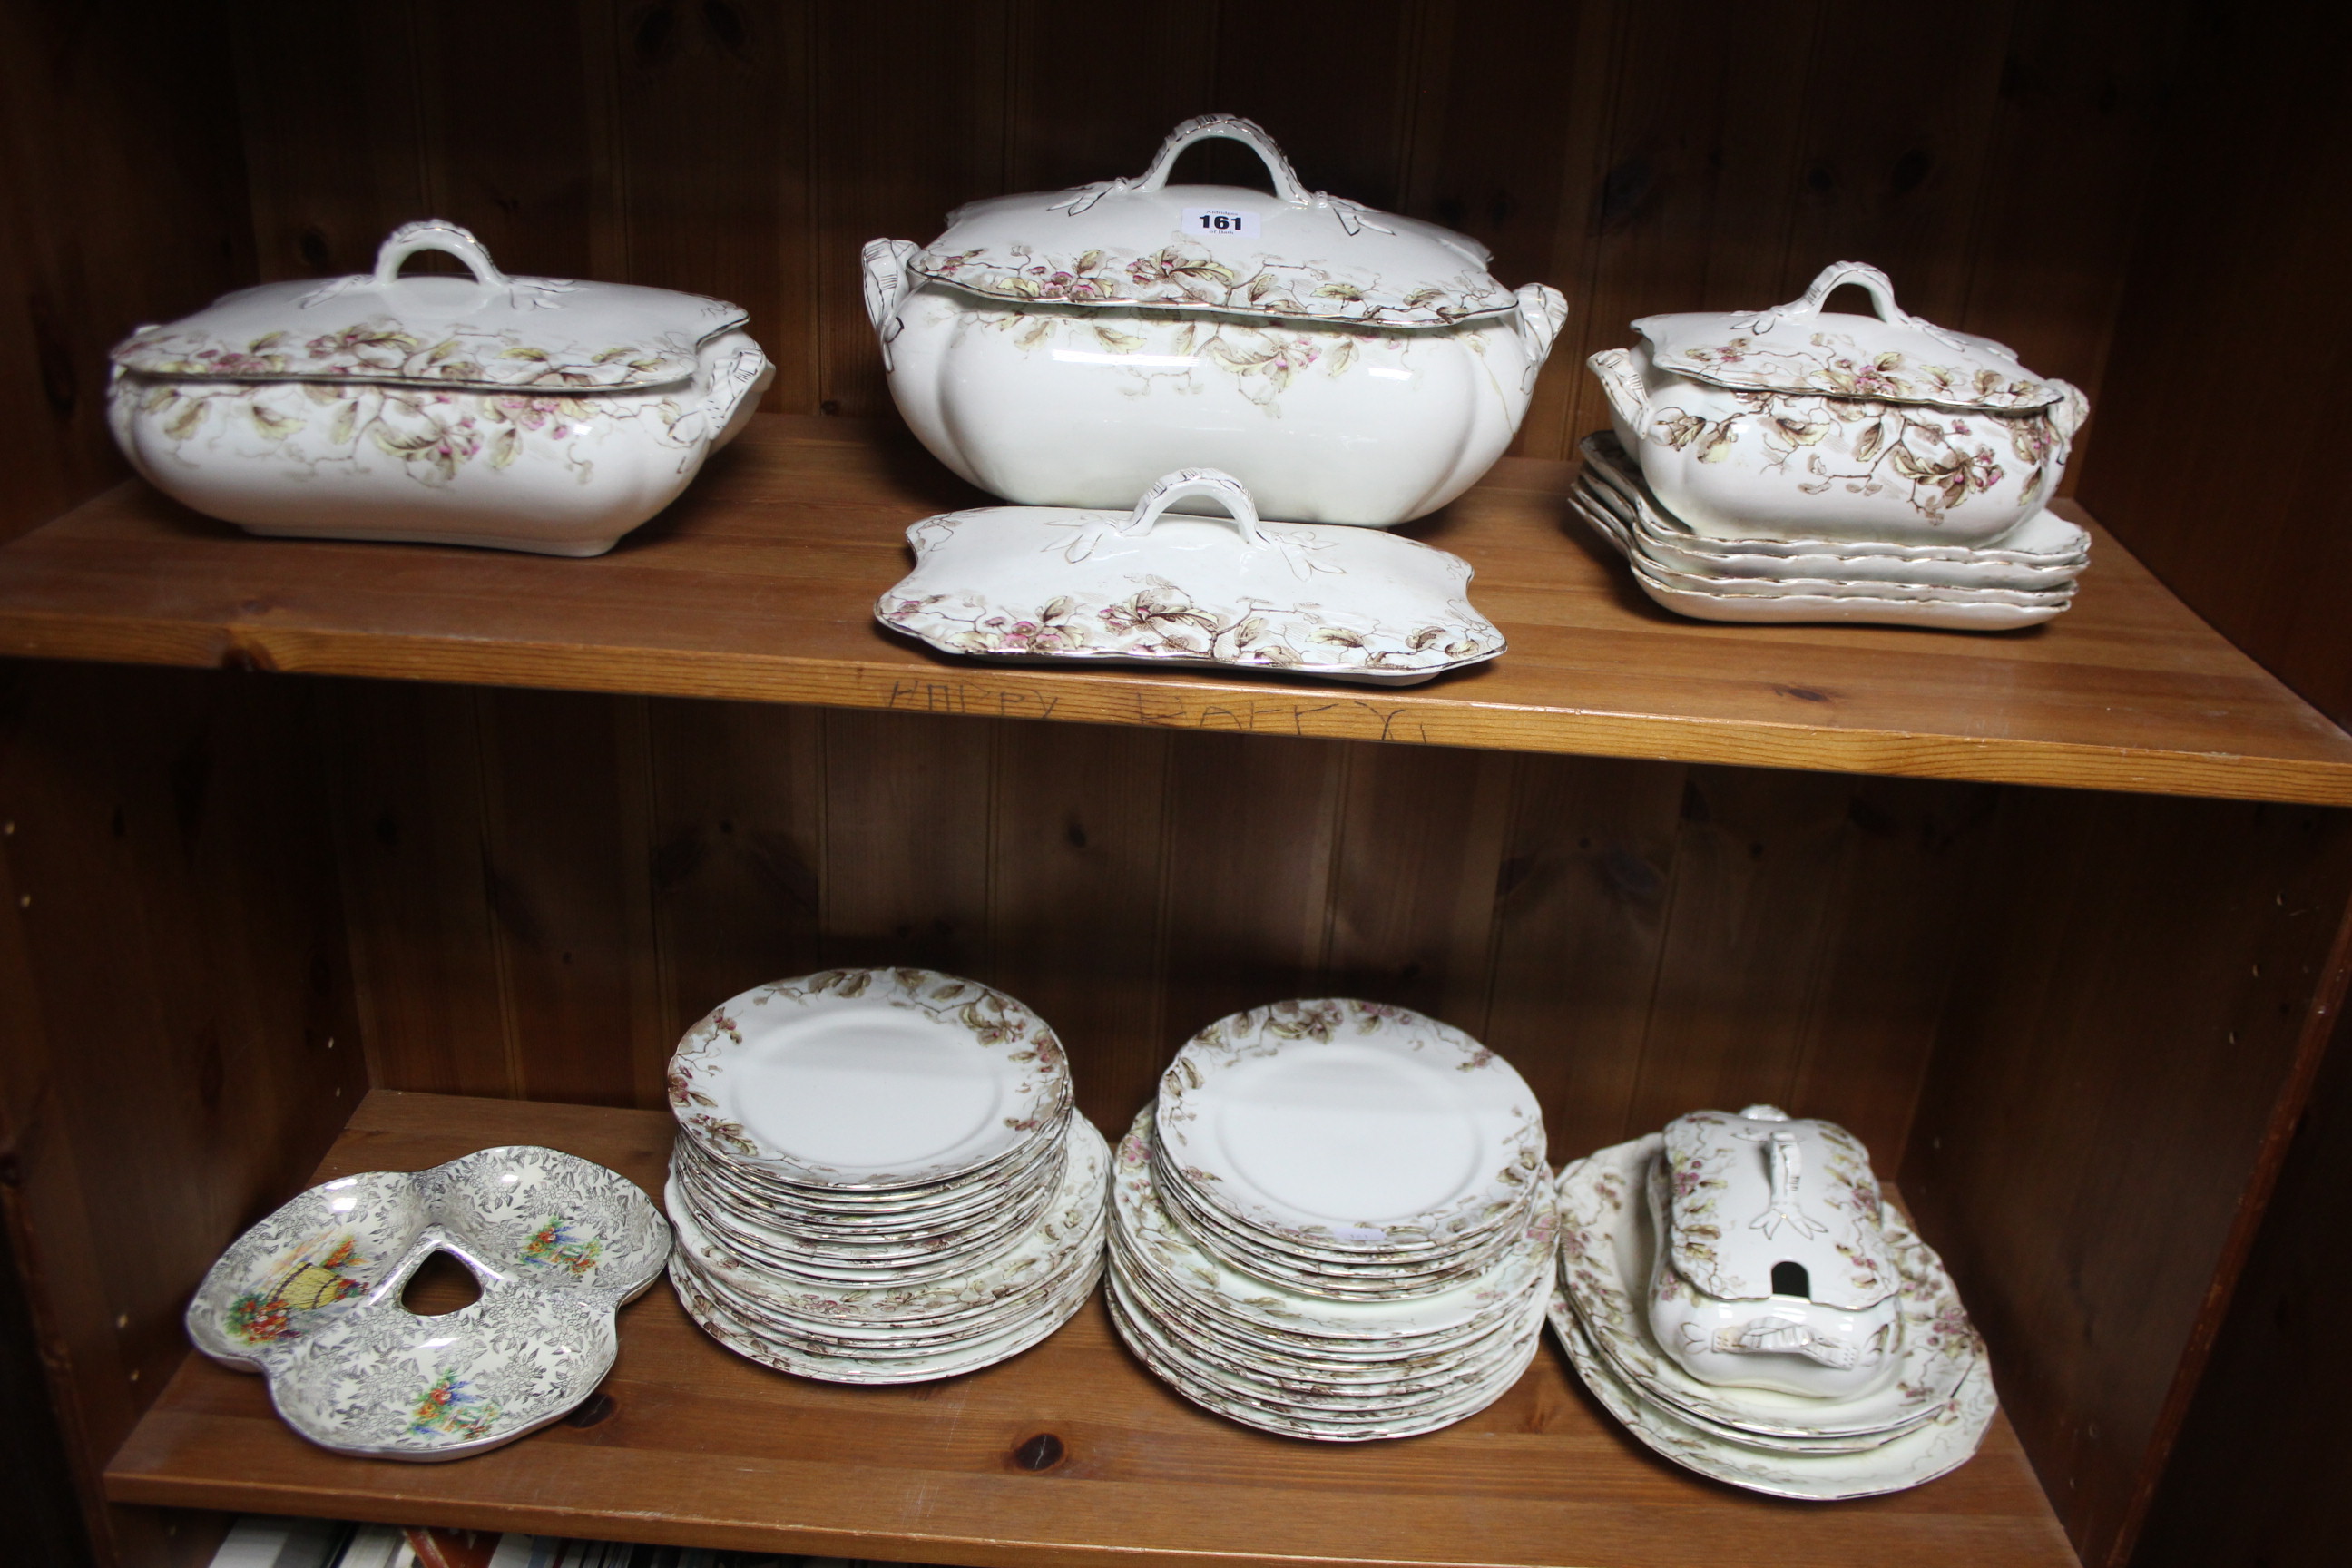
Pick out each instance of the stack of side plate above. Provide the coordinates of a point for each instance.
(1926, 1421)
(1336, 1223)
(879, 1177)
(2026, 577)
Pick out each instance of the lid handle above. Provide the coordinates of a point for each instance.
(1836, 276)
(1210, 483)
(1230, 128)
(435, 234)
(1787, 1173)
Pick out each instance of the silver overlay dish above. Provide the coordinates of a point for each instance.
(311, 1298)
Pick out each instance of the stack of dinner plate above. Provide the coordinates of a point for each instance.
(2028, 577)
(1924, 1420)
(1335, 1222)
(879, 1177)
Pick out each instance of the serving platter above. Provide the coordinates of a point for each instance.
(1608, 1250)
(1921, 1454)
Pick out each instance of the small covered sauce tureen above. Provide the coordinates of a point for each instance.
(1067, 349)
(518, 413)
(1801, 422)
(1771, 1270)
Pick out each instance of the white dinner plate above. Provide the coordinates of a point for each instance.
(1352, 1127)
(1075, 1217)
(1179, 1263)
(868, 1079)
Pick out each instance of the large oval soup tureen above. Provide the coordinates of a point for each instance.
(518, 412)
(1801, 422)
(1346, 365)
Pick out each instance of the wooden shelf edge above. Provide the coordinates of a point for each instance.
(1142, 698)
(705, 1450)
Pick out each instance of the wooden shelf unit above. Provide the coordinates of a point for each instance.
(704, 1449)
(2059, 922)
(759, 585)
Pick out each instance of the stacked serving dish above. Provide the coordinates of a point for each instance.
(1801, 465)
(1736, 1292)
(879, 1177)
(1336, 1223)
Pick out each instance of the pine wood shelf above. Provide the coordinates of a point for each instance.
(759, 585)
(705, 1448)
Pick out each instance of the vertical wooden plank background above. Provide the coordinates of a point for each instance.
(547, 888)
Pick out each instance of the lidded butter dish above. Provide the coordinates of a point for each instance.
(1801, 422)
(1773, 1271)
(1152, 586)
(514, 412)
(1347, 365)
(311, 1298)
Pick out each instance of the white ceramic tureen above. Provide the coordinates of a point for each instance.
(520, 413)
(1773, 1271)
(1798, 422)
(1044, 584)
(1067, 349)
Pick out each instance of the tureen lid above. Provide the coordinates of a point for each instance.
(1037, 583)
(1753, 1195)
(490, 331)
(1892, 356)
(1144, 243)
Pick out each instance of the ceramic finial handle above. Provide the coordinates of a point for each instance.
(1788, 1174)
(1836, 276)
(1210, 483)
(435, 234)
(1230, 128)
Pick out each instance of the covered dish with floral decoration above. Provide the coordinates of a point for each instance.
(1801, 422)
(1347, 365)
(1152, 586)
(1773, 1271)
(518, 413)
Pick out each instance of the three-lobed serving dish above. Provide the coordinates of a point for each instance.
(1067, 349)
(1152, 586)
(1801, 422)
(311, 1298)
(532, 413)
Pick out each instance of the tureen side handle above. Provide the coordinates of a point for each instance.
(1232, 127)
(2067, 415)
(1213, 484)
(886, 279)
(1543, 311)
(435, 234)
(1614, 368)
(737, 385)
